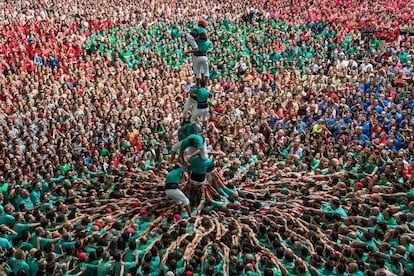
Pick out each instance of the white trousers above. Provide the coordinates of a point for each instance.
(200, 63)
(200, 66)
(190, 102)
(178, 196)
(203, 113)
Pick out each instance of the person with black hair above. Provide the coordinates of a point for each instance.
(172, 182)
(381, 269)
(183, 132)
(194, 145)
(328, 268)
(132, 253)
(198, 39)
(202, 109)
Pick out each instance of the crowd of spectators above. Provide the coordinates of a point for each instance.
(312, 104)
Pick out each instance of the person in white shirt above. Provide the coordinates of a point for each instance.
(342, 62)
(366, 65)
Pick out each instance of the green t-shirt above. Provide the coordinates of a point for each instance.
(369, 168)
(186, 142)
(391, 222)
(131, 255)
(339, 211)
(199, 165)
(7, 219)
(3, 188)
(35, 197)
(375, 43)
(25, 246)
(5, 243)
(174, 176)
(43, 241)
(20, 227)
(314, 164)
(104, 267)
(201, 38)
(105, 152)
(202, 94)
(91, 268)
(65, 168)
(27, 202)
(187, 130)
(17, 265)
(64, 244)
(290, 267)
(34, 267)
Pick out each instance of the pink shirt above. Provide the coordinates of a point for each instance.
(406, 16)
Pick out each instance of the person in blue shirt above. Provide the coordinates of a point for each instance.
(362, 138)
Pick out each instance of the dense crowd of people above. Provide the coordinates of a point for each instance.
(310, 124)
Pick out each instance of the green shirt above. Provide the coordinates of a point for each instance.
(34, 267)
(64, 244)
(105, 152)
(17, 265)
(339, 211)
(27, 202)
(131, 255)
(174, 176)
(200, 35)
(403, 57)
(187, 130)
(104, 267)
(20, 227)
(65, 168)
(25, 246)
(202, 94)
(198, 138)
(5, 243)
(3, 188)
(35, 197)
(7, 220)
(199, 165)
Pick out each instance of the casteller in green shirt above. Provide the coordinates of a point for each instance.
(174, 176)
(202, 94)
(198, 139)
(199, 165)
